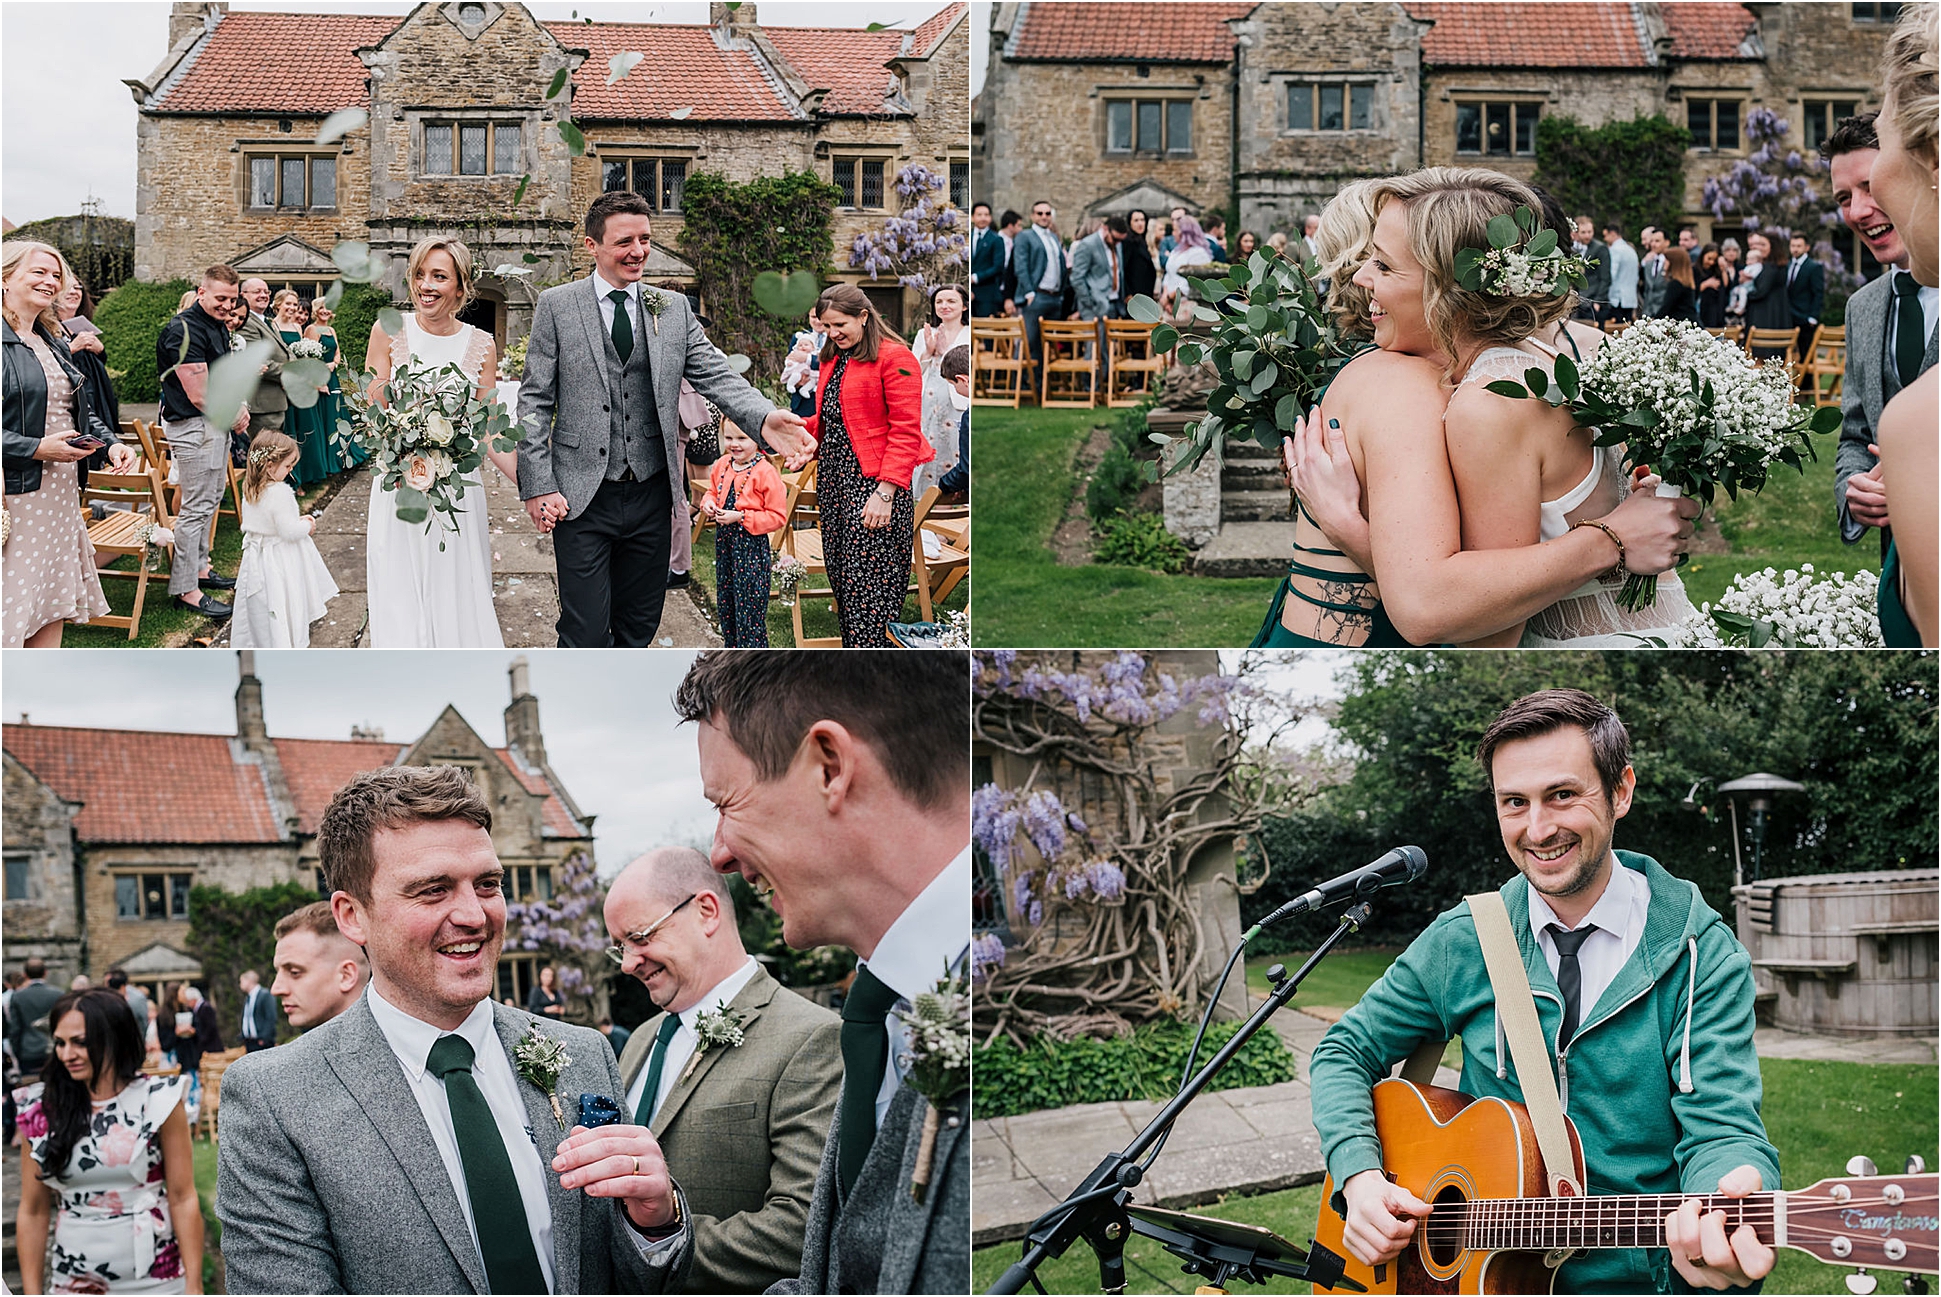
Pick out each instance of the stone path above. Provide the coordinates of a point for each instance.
(1233, 1141)
(524, 584)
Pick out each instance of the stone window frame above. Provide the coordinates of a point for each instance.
(511, 964)
(631, 154)
(952, 187)
(1716, 96)
(21, 862)
(282, 151)
(1166, 97)
(1876, 12)
(520, 882)
(1828, 103)
(1516, 100)
(852, 157)
(456, 120)
(1349, 82)
(137, 873)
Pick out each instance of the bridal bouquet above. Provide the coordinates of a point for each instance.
(1793, 609)
(1688, 405)
(307, 349)
(430, 432)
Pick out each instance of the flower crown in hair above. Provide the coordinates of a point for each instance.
(1521, 261)
(263, 455)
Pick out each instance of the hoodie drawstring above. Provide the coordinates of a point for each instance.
(1502, 1051)
(1685, 1051)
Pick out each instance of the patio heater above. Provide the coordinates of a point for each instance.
(1759, 791)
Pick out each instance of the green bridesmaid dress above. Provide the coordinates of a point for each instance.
(348, 455)
(1896, 627)
(306, 428)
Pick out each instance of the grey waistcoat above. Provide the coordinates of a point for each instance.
(635, 437)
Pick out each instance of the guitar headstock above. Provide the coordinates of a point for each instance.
(1884, 1222)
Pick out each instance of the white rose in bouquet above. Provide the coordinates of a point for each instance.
(439, 430)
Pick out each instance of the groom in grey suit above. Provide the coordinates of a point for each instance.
(403, 1146)
(844, 790)
(599, 400)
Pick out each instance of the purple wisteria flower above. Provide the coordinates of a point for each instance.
(987, 952)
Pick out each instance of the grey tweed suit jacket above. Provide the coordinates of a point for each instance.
(571, 379)
(327, 1180)
(743, 1129)
(1871, 381)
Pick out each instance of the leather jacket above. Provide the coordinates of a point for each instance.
(23, 412)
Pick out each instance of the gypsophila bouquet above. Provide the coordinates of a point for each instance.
(154, 540)
(1791, 609)
(1687, 405)
(938, 1057)
(307, 349)
(789, 574)
(430, 431)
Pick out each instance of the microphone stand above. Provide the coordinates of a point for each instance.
(1096, 1210)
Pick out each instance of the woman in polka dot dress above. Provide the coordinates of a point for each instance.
(869, 431)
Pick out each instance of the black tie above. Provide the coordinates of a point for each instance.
(1569, 978)
(498, 1212)
(865, 1053)
(623, 327)
(1910, 335)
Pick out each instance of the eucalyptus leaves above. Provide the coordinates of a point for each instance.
(1521, 261)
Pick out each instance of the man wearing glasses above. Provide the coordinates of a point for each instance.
(737, 1078)
(1040, 260)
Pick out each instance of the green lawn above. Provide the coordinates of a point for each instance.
(1025, 480)
(1024, 475)
(1337, 981)
(1812, 1110)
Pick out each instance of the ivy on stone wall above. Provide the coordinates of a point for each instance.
(733, 232)
(100, 248)
(1629, 172)
(232, 931)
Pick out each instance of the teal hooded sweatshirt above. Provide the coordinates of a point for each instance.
(1661, 1078)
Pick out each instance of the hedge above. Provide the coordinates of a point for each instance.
(1629, 172)
(1051, 1073)
(356, 313)
(232, 931)
(130, 319)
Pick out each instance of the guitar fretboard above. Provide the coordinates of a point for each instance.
(1613, 1220)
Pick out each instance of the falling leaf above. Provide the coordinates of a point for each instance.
(575, 141)
(232, 380)
(341, 123)
(787, 296)
(334, 295)
(392, 323)
(876, 27)
(738, 362)
(622, 63)
(519, 194)
(301, 379)
(355, 260)
(680, 114)
(559, 83)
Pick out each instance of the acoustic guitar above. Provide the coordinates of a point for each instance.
(1494, 1229)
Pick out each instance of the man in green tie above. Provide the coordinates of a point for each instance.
(737, 1078)
(411, 1144)
(843, 789)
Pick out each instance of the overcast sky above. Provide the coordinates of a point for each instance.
(607, 717)
(67, 124)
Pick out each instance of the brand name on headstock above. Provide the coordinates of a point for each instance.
(1861, 1221)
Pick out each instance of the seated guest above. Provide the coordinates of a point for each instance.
(319, 973)
(729, 1037)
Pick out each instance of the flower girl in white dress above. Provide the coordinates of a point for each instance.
(283, 584)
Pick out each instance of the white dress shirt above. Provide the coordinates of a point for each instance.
(602, 287)
(249, 1013)
(1619, 915)
(681, 1048)
(411, 1040)
(916, 953)
(1054, 260)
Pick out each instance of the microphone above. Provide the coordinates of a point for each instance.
(1402, 865)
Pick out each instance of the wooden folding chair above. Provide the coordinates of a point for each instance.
(1130, 362)
(128, 500)
(805, 546)
(211, 1070)
(1826, 360)
(936, 577)
(1768, 345)
(1070, 378)
(155, 451)
(1000, 362)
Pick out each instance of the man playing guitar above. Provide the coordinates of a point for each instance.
(1644, 995)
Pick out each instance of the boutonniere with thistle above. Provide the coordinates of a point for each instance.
(717, 1028)
(938, 1063)
(653, 303)
(540, 1059)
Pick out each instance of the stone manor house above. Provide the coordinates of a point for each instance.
(228, 170)
(105, 831)
(1102, 108)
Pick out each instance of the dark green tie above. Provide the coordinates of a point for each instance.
(1910, 333)
(669, 1024)
(865, 1053)
(623, 328)
(498, 1214)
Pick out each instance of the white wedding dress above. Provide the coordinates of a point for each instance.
(1590, 616)
(422, 595)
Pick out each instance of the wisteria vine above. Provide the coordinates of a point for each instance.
(569, 928)
(923, 242)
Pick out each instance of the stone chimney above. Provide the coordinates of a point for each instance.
(739, 21)
(522, 717)
(191, 18)
(252, 744)
(250, 727)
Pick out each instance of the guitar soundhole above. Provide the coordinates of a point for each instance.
(1445, 1237)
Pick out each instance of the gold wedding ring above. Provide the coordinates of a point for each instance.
(637, 1172)
(1696, 1262)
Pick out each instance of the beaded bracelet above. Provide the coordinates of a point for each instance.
(1617, 568)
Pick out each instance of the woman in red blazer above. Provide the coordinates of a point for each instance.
(868, 426)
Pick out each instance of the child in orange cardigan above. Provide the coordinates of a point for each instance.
(745, 499)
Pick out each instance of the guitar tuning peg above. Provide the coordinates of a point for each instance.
(1860, 1164)
(1916, 1164)
(1861, 1283)
(1914, 1283)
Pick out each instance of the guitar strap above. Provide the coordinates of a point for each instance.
(1517, 1010)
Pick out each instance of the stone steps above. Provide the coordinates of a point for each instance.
(1244, 549)
(1255, 506)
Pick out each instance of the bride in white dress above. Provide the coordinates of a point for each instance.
(433, 589)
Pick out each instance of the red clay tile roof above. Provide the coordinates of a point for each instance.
(1140, 32)
(316, 768)
(852, 65)
(1706, 31)
(928, 34)
(683, 68)
(1556, 34)
(141, 786)
(279, 63)
(554, 813)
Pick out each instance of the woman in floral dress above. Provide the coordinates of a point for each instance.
(119, 1188)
